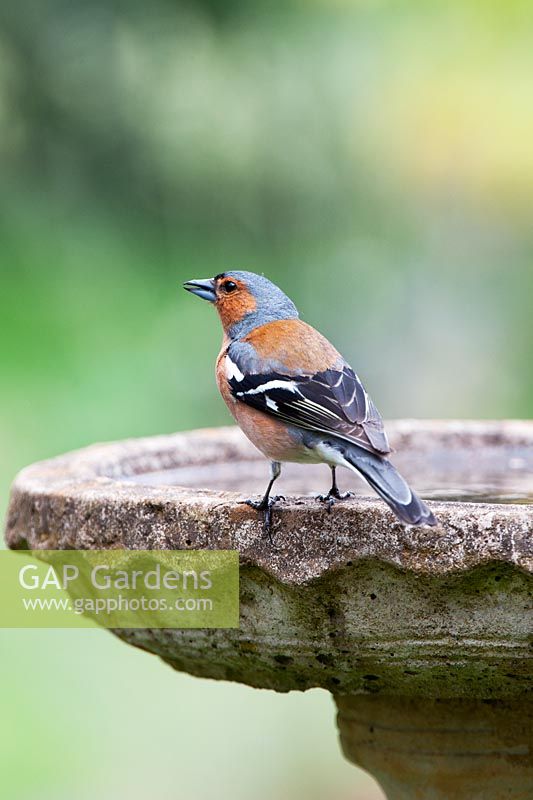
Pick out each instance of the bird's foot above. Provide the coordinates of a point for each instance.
(331, 498)
(266, 507)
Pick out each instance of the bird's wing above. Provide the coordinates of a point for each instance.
(333, 401)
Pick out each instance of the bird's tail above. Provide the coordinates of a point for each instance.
(389, 484)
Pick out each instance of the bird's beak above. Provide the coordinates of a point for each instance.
(204, 289)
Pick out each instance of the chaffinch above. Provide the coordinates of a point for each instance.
(294, 395)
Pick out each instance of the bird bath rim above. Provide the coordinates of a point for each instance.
(54, 501)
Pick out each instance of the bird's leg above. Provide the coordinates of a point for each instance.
(267, 503)
(334, 493)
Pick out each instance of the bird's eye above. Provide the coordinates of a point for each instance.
(229, 286)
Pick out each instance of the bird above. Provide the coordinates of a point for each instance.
(295, 397)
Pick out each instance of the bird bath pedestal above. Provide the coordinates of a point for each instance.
(423, 635)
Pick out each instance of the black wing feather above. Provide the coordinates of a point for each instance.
(333, 401)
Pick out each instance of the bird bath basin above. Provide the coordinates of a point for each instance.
(423, 635)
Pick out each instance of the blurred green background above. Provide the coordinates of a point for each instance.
(373, 158)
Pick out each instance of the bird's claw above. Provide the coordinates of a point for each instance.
(331, 498)
(266, 507)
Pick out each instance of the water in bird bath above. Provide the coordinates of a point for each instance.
(478, 494)
(490, 474)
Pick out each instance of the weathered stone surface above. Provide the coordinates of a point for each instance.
(351, 601)
(441, 750)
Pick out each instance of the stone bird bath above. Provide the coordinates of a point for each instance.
(424, 636)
